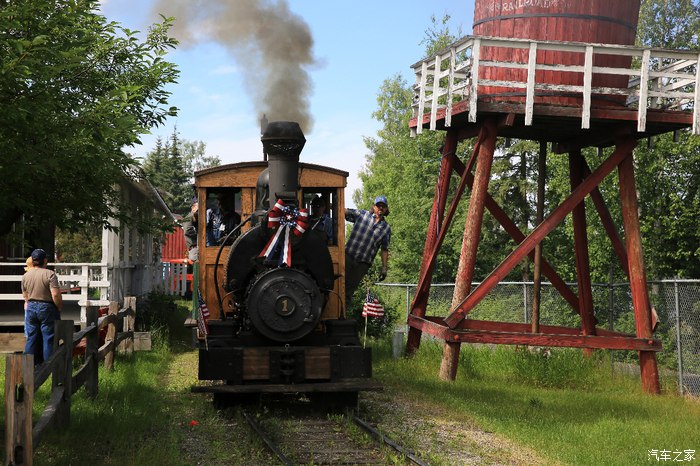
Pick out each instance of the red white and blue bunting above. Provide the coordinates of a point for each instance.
(283, 219)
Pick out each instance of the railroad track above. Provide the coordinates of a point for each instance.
(318, 437)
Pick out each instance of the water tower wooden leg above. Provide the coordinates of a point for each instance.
(583, 273)
(420, 302)
(638, 281)
(470, 241)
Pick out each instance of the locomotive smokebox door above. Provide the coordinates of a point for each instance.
(284, 304)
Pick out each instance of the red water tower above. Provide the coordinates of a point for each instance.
(557, 72)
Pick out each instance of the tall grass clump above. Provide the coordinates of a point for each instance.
(163, 316)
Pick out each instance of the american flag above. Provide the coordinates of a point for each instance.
(203, 321)
(372, 307)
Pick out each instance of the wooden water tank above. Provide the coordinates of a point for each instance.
(591, 21)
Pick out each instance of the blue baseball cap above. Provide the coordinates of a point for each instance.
(382, 200)
(38, 255)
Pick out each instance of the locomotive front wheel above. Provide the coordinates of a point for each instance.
(284, 304)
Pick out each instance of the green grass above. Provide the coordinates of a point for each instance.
(567, 408)
(144, 411)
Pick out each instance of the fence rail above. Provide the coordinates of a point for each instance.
(677, 303)
(97, 284)
(22, 379)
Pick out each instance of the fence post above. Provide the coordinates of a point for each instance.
(525, 302)
(92, 343)
(408, 302)
(62, 375)
(127, 346)
(679, 344)
(111, 334)
(19, 397)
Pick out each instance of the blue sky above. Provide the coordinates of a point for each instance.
(358, 44)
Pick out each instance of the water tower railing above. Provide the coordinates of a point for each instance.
(659, 78)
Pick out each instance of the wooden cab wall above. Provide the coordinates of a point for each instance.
(313, 179)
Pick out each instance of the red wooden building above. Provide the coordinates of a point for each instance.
(559, 74)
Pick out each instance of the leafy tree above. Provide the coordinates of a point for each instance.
(75, 90)
(171, 167)
(668, 171)
(672, 24)
(84, 245)
(195, 158)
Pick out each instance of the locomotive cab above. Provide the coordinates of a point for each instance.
(272, 275)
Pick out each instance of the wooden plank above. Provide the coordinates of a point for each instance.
(538, 339)
(12, 342)
(436, 85)
(110, 338)
(421, 93)
(43, 371)
(587, 80)
(530, 90)
(62, 374)
(317, 363)
(142, 341)
(123, 336)
(435, 224)
(473, 92)
(470, 240)
(608, 223)
(19, 399)
(92, 342)
(643, 89)
(539, 217)
(48, 416)
(638, 284)
(128, 324)
(104, 350)
(256, 364)
(450, 88)
(623, 150)
(499, 326)
(347, 385)
(81, 375)
(583, 272)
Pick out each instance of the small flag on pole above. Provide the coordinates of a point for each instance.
(203, 321)
(372, 307)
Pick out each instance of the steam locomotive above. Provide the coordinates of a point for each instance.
(277, 300)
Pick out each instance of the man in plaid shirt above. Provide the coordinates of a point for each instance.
(370, 233)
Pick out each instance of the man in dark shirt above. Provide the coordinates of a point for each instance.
(370, 233)
(221, 219)
(43, 303)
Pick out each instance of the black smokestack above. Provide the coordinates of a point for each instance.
(270, 43)
(283, 141)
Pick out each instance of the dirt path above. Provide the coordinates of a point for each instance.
(442, 437)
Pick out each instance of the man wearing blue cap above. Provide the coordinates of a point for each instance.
(370, 233)
(43, 303)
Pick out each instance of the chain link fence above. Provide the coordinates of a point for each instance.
(677, 303)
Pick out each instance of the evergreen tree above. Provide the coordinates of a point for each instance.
(170, 168)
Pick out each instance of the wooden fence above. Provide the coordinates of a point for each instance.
(22, 379)
(97, 284)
